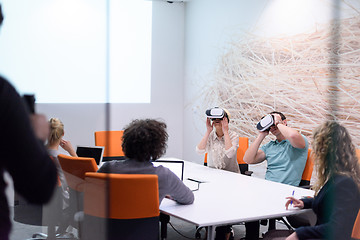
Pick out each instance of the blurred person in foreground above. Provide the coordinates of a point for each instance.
(23, 154)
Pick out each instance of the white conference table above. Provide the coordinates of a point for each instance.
(226, 198)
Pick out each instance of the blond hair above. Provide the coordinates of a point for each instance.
(334, 154)
(56, 130)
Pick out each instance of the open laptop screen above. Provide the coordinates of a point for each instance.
(176, 167)
(91, 152)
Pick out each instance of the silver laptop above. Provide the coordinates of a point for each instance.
(95, 152)
(176, 167)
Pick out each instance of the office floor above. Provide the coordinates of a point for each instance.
(180, 231)
(187, 230)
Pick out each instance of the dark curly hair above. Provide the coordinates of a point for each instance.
(145, 140)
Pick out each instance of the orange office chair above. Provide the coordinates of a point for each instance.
(74, 169)
(53, 215)
(112, 141)
(299, 220)
(358, 153)
(205, 159)
(356, 229)
(243, 146)
(307, 173)
(121, 206)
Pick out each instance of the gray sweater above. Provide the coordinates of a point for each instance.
(169, 183)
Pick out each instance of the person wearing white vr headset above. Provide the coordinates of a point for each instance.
(221, 146)
(286, 156)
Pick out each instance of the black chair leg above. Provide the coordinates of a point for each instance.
(272, 224)
(164, 220)
(287, 224)
(252, 230)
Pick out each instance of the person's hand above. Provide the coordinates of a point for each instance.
(225, 125)
(263, 134)
(209, 125)
(277, 119)
(295, 202)
(169, 197)
(66, 145)
(293, 236)
(40, 126)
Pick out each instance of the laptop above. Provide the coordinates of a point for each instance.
(91, 152)
(176, 167)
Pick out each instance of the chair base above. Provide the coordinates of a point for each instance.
(95, 228)
(43, 236)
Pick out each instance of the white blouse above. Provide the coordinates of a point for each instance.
(218, 157)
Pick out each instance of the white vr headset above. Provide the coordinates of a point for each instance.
(215, 113)
(265, 123)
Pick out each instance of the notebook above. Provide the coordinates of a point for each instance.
(91, 152)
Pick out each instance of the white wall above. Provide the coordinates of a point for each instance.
(211, 26)
(81, 120)
(208, 25)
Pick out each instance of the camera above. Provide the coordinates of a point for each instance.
(29, 101)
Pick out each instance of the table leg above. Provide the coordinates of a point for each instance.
(211, 233)
(164, 220)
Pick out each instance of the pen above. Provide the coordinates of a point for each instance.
(194, 180)
(292, 196)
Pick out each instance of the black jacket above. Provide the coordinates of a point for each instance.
(22, 155)
(336, 207)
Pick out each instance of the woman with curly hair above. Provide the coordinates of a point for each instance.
(337, 198)
(145, 141)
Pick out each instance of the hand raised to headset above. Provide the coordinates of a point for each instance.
(225, 125)
(209, 125)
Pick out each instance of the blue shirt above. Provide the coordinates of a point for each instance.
(285, 163)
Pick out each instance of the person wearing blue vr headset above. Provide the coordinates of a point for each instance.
(286, 156)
